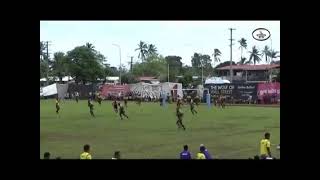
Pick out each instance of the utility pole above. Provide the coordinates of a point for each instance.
(231, 72)
(131, 63)
(120, 64)
(47, 72)
(270, 76)
(202, 73)
(168, 71)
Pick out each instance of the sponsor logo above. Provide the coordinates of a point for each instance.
(261, 34)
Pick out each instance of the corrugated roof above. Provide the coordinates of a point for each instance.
(250, 67)
(147, 78)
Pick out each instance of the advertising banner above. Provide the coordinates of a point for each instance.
(237, 91)
(269, 92)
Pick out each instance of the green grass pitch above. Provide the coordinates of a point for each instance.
(151, 131)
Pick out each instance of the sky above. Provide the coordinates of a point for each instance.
(180, 38)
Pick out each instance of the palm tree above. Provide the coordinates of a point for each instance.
(247, 62)
(216, 55)
(266, 53)
(242, 60)
(142, 47)
(152, 50)
(254, 54)
(243, 44)
(90, 46)
(273, 54)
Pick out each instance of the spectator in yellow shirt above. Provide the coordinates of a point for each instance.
(200, 155)
(86, 154)
(265, 146)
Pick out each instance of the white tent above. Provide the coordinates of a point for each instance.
(49, 90)
(53, 89)
(64, 79)
(112, 78)
(216, 80)
(67, 78)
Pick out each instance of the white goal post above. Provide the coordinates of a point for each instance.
(199, 92)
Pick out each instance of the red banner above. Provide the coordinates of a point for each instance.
(114, 90)
(268, 91)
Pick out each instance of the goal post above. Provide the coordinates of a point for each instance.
(203, 94)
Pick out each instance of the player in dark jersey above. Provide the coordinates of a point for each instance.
(179, 115)
(99, 98)
(77, 96)
(115, 106)
(197, 100)
(139, 99)
(218, 101)
(89, 99)
(222, 101)
(125, 101)
(91, 108)
(188, 99)
(179, 103)
(57, 105)
(122, 112)
(192, 107)
(214, 100)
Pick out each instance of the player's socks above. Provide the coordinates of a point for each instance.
(178, 124)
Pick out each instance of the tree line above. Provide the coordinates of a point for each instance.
(86, 64)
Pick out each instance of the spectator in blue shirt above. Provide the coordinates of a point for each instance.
(206, 152)
(185, 154)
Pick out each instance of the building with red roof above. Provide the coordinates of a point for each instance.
(249, 73)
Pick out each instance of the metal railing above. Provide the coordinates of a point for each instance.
(249, 78)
